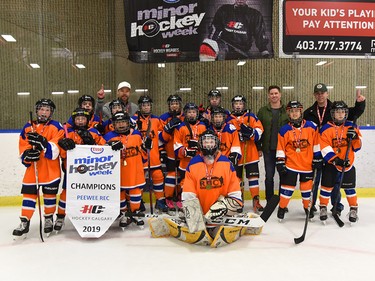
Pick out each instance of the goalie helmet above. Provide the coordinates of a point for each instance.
(238, 105)
(218, 116)
(43, 117)
(174, 104)
(296, 121)
(86, 98)
(121, 122)
(208, 143)
(80, 124)
(189, 117)
(339, 112)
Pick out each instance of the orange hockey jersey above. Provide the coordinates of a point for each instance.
(48, 166)
(251, 120)
(208, 182)
(333, 143)
(229, 140)
(132, 158)
(298, 146)
(165, 138)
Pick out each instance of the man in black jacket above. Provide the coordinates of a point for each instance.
(320, 114)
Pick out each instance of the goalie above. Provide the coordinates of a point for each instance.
(211, 187)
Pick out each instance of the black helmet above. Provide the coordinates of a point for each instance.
(214, 93)
(119, 117)
(174, 98)
(116, 103)
(144, 99)
(80, 112)
(41, 103)
(191, 106)
(337, 106)
(295, 104)
(218, 111)
(236, 111)
(208, 149)
(86, 98)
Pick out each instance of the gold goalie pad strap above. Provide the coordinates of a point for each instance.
(179, 230)
(253, 230)
(227, 235)
(158, 227)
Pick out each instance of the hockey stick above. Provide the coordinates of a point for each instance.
(335, 214)
(37, 185)
(230, 221)
(244, 163)
(233, 47)
(302, 237)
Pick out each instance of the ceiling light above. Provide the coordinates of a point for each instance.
(185, 89)
(162, 65)
(222, 88)
(23, 94)
(9, 38)
(360, 87)
(80, 65)
(57, 93)
(241, 62)
(329, 87)
(107, 91)
(288, 87)
(258, 88)
(323, 62)
(73, 91)
(141, 90)
(34, 65)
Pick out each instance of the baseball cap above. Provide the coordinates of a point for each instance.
(124, 84)
(320, 87)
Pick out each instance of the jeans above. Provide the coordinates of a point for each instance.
(270, 167)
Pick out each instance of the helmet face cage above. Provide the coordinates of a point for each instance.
(43, 116)
(208, 143)
(291, 106)
(121, 122)
(218, 116)
(187, 112)
(339, 112)
(239, 105)
(80, 112)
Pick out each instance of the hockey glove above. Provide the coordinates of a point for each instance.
(31, 155)
(317, 163)
(351, 134)
(116, 145)
(190, 152)
(38, 141)
(246, 132)
(171, 125)
(234, 157)
(147, 143)
(341, 163)
(100, 128)
(86, 137)
(223, 206)
(280, 166)
(193, 144)
(67, 144)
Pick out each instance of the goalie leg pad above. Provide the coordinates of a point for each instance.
(227, 235)
(193, 215)
(179, 230)
(158, 227)
(253, 230)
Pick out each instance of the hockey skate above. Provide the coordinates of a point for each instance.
(124, 221)
(48, 225)
(281, 214)
(323, 214)
(22, 229)
(59, 223)
(353, 216)
(310, 213)
(161, 206)
(256, 205)
(171, 207)
(137, 220)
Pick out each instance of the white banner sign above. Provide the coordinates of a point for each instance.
(93, 189)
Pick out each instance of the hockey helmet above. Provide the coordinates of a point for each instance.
(79, 124)
(42, 117)
(192, 119)
(208, 143)
(238, 105)
(121, 122)
(339, 107)
(296, 121)
(218, 116)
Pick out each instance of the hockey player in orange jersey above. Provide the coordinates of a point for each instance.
(214, 100)
(186, 137)
(133, 155)
(39, 153)
(149, 126)
(81, 134)
(169, 122)
(115, 106)
(297, 145)
(334, 139)
(250, 130)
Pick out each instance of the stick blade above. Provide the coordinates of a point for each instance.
(299, 239)
(339, 222)
(270, 207)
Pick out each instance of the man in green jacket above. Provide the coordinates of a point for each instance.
(273, 116)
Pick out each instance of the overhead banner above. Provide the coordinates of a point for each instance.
(93, 189)
(343, 28)
(200, 30)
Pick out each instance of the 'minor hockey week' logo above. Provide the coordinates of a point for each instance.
(100, 165)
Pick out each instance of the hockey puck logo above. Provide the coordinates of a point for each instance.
(171, 1)
(151, 28)
(82, 169)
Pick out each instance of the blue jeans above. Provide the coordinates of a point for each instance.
(270, 167)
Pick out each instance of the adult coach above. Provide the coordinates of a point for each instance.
(123, 94)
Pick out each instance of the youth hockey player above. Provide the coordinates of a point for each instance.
(88, 103)
(39, 153)
(214, 100)
(169, 122)
(296, 146)
(334, 139)
(114, 106)
(149, 126)
(80, 134)
(129, 142)
(250, 130)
